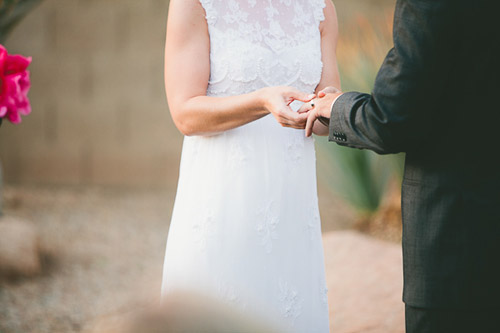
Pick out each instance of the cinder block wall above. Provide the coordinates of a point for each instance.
(100, 115)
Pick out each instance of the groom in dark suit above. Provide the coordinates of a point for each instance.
(436, 98)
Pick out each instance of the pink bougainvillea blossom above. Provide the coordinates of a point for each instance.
(14, 86)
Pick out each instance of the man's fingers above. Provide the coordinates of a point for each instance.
(312, 116)
(330, 90)
(327, 90)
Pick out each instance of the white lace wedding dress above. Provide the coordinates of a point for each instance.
(246, 226)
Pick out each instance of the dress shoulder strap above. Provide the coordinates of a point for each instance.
(319, 6)
(210, 10)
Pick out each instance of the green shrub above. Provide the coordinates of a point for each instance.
(11, 13)
(360, 176)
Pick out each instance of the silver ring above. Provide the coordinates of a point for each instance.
(312, 104)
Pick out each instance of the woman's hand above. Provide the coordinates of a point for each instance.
(330, 77)
(187, 73)
(277, 100)
(305, 108)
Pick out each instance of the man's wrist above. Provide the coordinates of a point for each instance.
(335, 100)
(326, 120)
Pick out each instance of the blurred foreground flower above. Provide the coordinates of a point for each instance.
(14, 86)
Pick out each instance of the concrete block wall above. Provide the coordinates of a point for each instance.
(100, 115)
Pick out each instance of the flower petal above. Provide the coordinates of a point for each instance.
(14, 86)
(16, 63)
(3, 111)
(14, 117)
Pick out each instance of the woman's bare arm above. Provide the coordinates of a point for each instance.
(330, 76)
(187, 71)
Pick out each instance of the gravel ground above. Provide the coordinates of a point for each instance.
(103, 251)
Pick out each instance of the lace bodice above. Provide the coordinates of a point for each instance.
(254, 45)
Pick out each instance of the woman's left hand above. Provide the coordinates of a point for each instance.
(306, 107)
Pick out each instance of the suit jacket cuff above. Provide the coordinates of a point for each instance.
(337, 118)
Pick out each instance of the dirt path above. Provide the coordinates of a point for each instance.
(104, 252)
(364, 283)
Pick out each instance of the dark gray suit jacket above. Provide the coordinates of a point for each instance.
(436, 98)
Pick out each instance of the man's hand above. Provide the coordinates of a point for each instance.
(322, 107)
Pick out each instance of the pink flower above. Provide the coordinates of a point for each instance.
(14, 86)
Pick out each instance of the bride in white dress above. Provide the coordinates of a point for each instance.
(245, 227)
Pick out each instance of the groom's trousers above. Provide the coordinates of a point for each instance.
(419, 320)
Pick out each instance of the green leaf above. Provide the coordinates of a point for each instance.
(12, 12)
(360, 176)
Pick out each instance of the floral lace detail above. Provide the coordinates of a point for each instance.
(192, 148)
(238, 153)
(323, 291)
(295, 149)
(319, 14)
(266, 226)
(266, 43)
(203, 228)
(234, 211)
(211, 15)
(291, 303)
(314, 222)
(229, 294)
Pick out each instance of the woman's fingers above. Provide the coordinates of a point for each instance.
(301, 96)
(288, 118)
(284, 114)
(306, 107)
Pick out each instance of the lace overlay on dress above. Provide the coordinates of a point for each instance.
(252, 45)
(246, 225)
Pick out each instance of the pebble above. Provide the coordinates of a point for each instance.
(19, 248)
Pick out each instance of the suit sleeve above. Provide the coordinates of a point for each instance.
(402, 110)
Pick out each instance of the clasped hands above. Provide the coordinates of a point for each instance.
(278, 100)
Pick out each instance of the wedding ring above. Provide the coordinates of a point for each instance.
(312, 104)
